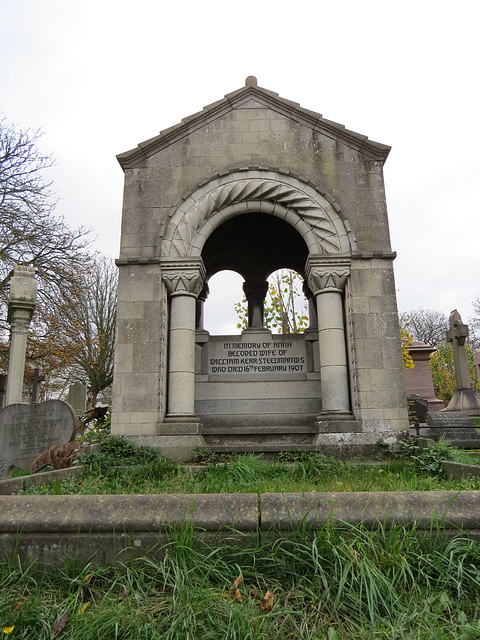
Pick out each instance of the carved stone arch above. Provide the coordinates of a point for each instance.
(315, 216)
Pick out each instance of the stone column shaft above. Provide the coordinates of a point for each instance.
(184, 281)
(327, 278)
(21, 304)
(181, 365)
(333, 357)
(255, 292)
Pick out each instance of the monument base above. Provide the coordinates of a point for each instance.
(349, 445)
(466, 400)
(179, 447)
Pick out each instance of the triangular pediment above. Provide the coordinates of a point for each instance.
(253, 97)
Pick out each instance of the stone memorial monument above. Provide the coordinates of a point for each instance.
(27, 430)
(419, 381)
(77, 398)
(21, 305)
(465, 398)
(255, 183)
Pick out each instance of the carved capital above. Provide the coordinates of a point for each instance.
(327, 275)
(183, 276)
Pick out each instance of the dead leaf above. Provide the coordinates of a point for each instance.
(123, 595)
(18, 606)
(87, 577)
(237, 582)
(238, 596)
(60, 626)
(267, 602)
(84, 607)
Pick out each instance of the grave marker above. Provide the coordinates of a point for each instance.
(27, 430)
(454, 426)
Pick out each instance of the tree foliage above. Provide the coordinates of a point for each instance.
(30, 234)
(286, 307)
(406, 340)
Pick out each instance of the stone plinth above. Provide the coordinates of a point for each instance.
(418, 381)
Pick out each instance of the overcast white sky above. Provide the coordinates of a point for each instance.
(100, 76)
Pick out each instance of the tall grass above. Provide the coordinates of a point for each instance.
(250, 474)
(341, 583)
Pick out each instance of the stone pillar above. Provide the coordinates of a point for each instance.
(21, 304)
(326, 279)
(255, 292)
(184, 280)
(200, 318)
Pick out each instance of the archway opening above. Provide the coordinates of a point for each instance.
(256, 245)
(225, 291)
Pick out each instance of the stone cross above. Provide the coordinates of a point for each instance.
(35, 379)
(21, 304)
(456, 335)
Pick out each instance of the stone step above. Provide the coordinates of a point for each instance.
(257, 448)
(259, 430)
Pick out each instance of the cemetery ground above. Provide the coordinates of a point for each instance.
(338, 582)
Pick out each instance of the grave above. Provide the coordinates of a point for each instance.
(77, 398)
(455, 427)
(27, 430)
(417, 411)
(418, 381)
(465, 398)
(254, 183)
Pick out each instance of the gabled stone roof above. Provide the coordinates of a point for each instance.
(251, 96)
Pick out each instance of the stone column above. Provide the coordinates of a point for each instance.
(199, 318)
(184, 280)
(21, 304)
(255, 292)
(326, 279)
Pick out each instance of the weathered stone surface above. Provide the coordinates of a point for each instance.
(454, 426)
(313, 510)
(27, 430)
(249, 184)
(111, 528)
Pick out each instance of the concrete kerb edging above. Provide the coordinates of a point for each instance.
(107, 528)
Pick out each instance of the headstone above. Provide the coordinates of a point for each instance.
(417, 410)
(77, 398)
(465, 399)
(5, 467)
(27, 430)
(455, 427)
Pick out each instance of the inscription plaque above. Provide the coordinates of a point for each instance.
(265, 357)
(27, 430)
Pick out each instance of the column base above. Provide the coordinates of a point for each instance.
(354, 444)
(180, 418)
(338, 426)
(335, 415)
(180, 446)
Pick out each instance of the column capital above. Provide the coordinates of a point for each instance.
(183, 276)
(327, 273)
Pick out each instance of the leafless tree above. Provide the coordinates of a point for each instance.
(30, 233)
(425, 325)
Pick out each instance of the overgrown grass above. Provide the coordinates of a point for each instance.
(341, 583)
(143, 470)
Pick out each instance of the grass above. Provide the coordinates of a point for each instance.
(143, 471)
(342, 583)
